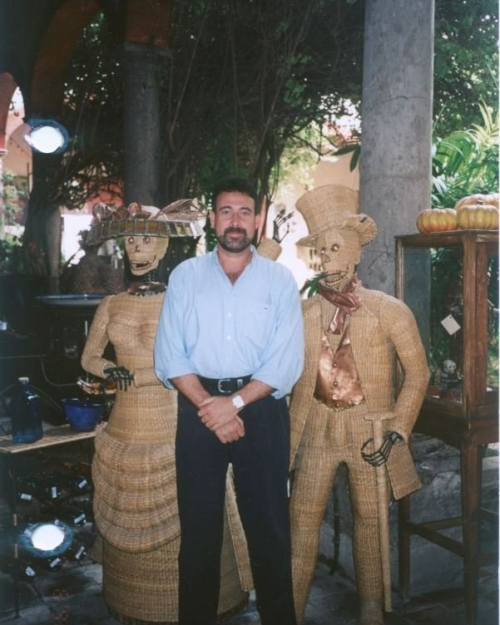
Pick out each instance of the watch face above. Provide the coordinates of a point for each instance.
(238, 402)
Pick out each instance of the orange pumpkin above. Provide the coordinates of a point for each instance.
(478, 217)
(483, 199)
(437, 220)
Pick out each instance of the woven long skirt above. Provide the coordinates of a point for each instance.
(135, 506)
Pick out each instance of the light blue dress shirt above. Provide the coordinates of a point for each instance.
(216, 329)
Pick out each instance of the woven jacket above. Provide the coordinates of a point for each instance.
(380, 329)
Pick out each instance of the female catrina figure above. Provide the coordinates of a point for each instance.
(133, 469)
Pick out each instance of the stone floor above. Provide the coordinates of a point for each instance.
(72, 596)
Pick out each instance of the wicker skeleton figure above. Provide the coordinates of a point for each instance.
(352, 337)
(134, 465)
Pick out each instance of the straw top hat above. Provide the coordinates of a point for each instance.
(183, 218)
(333, 206)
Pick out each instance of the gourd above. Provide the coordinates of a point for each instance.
(478, 217)
(478, 211)
(437, 220)
(483, 199)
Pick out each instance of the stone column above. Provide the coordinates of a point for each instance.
(395, 167)
(142, 130)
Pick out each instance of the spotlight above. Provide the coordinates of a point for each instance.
(46, 136)
(45, 540)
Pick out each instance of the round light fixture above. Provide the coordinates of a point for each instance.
(46, 540)
(47, 136)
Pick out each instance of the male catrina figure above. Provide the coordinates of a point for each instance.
(352, 337)
(135, 501)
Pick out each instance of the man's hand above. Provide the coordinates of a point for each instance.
(221, 417)
(230, 432)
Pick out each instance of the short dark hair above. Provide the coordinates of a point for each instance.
(238, 185)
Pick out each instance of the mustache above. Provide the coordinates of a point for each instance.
(235, 229)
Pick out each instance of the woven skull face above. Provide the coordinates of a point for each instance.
(339, 251)
(145, 253)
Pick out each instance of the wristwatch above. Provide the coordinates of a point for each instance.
(238, 402)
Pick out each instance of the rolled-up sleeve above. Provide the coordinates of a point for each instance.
(170, 359)
(283, 356)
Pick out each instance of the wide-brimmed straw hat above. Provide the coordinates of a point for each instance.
(183, 218)
(333, 206)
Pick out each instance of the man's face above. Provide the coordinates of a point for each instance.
(234, 221)
(339, 251)
(145, 253)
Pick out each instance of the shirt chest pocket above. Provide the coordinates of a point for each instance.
(254, 322)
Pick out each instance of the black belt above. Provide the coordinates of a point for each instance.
(224, 386)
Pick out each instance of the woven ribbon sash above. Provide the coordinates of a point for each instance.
(337, 384)
(346, 302)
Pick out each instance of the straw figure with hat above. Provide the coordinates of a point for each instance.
(135, 500)
(345, 408)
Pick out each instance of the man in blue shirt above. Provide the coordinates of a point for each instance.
(230, 339)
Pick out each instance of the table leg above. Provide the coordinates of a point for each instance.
(15, 533)
(471, 470)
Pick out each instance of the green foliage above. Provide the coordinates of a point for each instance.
(299, 157)
(244, 82)
(93, 115)
(310, 287)
(246, 79)
(354, 148)
(493, 353)
(466, 162)
(465, 62)
(326, 140)
(446, 297)
(14, 193)
(18, 258)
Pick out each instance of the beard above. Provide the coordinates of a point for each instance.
(234, 244)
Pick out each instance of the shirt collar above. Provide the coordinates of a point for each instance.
(255, 256)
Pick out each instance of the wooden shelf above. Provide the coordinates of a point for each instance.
(56, 435)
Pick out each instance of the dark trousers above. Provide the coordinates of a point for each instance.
(260, 464)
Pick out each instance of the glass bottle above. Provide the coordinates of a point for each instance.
(26, 414)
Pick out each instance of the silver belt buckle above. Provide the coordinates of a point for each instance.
(219, 385)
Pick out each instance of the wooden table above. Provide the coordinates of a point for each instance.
(469, 436)
(450, 282)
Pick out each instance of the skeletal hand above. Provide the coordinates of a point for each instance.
(381, 455)
(121, 375)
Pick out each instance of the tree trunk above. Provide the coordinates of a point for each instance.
(142, 122)
(42, 235)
